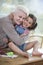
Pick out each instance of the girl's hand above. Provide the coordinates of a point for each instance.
(26, 32)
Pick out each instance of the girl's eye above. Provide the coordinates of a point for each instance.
(30, 23)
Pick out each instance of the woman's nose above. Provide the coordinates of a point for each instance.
(21, 19)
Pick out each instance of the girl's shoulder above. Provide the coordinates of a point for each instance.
(26, 31)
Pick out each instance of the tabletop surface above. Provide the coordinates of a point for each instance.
(19, 60)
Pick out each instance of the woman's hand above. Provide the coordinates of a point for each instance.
(25, 54)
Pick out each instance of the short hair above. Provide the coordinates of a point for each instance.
(34, 25)
(22, 8)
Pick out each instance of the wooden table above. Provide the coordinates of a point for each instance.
(21, 61)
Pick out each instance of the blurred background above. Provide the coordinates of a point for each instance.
(34, 6)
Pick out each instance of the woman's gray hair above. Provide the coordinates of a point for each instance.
(22, 8)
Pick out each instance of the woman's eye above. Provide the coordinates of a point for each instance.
(20, 16)
(26, 20)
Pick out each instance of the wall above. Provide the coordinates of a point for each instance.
(34, 6)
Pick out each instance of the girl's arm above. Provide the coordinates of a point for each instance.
(26, 32)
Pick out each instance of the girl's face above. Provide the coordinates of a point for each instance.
(27, 22)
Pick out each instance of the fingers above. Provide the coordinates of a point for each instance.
(26, 55)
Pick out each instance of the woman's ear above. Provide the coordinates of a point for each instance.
(11, 16)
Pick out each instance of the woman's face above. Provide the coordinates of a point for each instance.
(19, 17)
(27, 22)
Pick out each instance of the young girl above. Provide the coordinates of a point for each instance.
(24, 28)
(22, 31)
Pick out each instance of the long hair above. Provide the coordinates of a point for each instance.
(34, 24)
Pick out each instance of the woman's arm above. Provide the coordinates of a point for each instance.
(17, 50)
(11, 33)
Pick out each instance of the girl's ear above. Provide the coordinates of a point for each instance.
(34, 26)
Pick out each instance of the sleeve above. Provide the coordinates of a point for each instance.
(11, 33)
